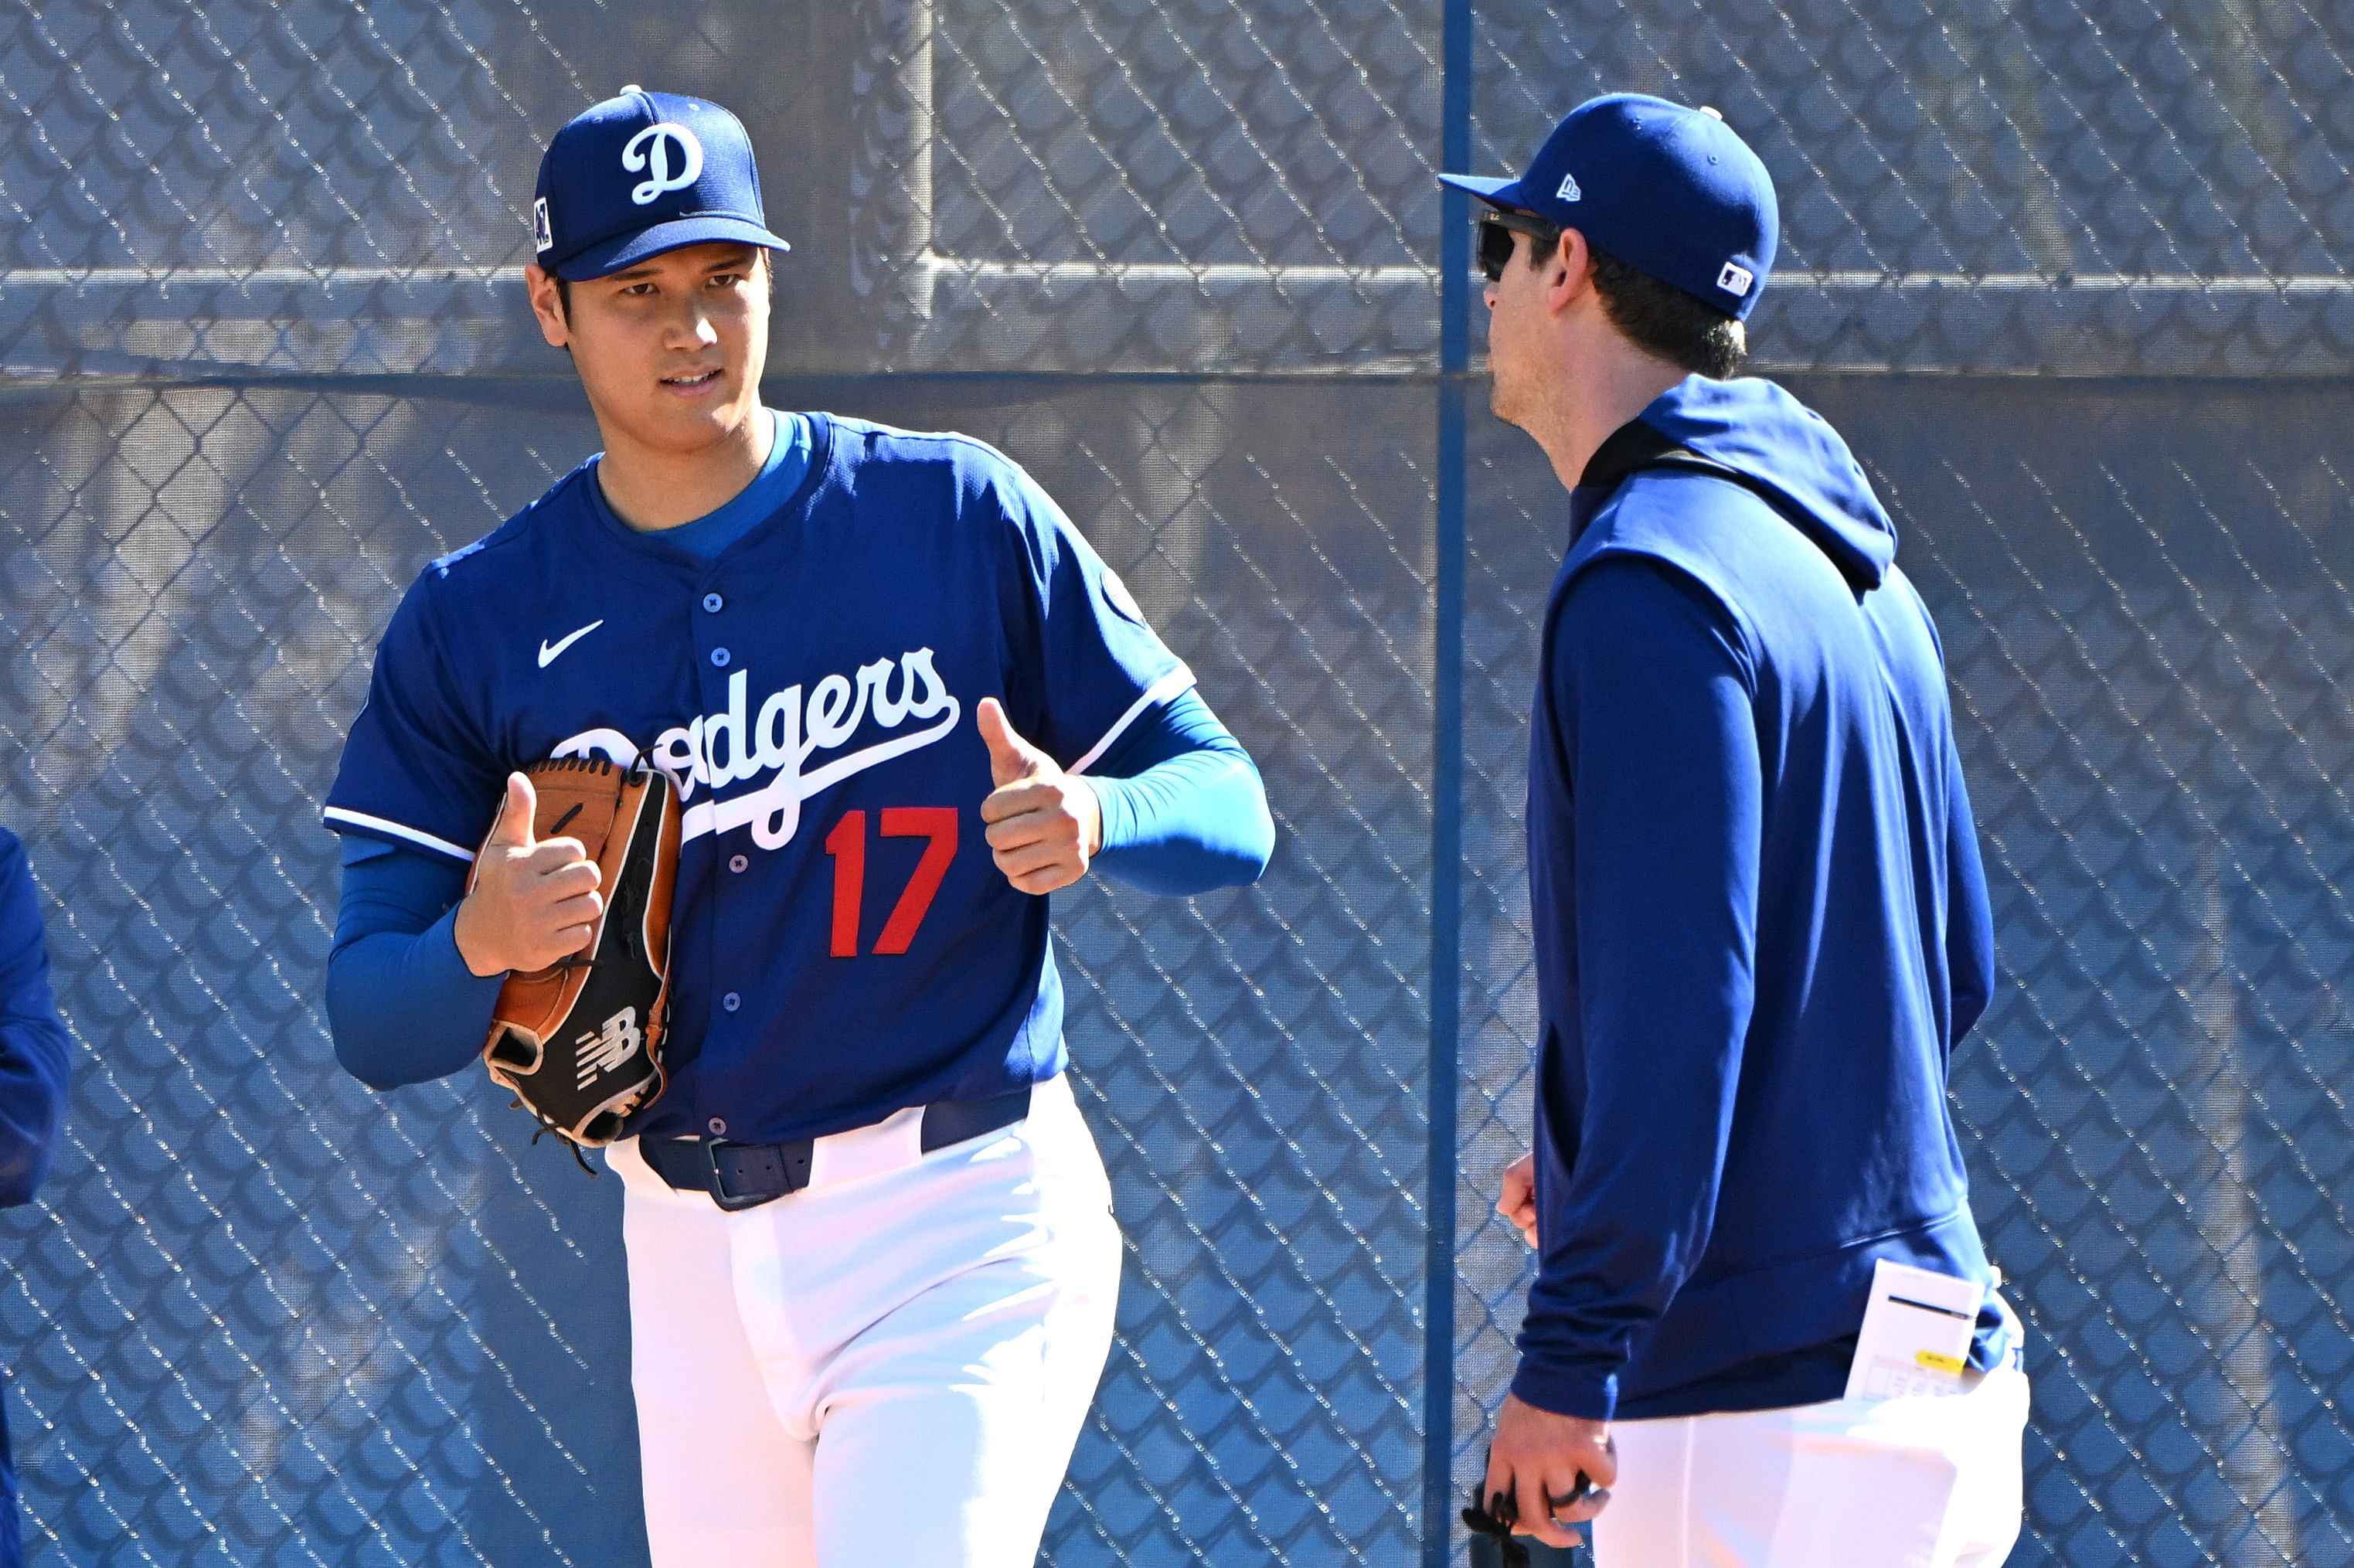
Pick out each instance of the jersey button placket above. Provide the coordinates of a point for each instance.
(712, 603)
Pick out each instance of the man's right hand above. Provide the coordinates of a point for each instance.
(532, 903)
(1518, 1200)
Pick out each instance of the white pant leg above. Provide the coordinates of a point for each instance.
(945, 1427)
(1990, 1502)
(1897, 1483)
(724, 1481)
(928, 1341)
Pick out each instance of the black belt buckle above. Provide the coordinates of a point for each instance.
(773, 1171)
(788, 1180)
(731, 1201)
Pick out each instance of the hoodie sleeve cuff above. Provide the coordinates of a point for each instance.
(1586, 1392)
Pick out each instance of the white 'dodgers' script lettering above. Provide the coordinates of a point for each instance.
(789, 728)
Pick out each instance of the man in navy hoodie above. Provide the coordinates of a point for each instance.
(1761, 921)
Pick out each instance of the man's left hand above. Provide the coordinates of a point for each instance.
(1044, 825)
(1538, 1456)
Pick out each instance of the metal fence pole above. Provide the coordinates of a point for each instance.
(1447, 797)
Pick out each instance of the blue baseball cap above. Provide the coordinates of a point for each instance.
(641, 174)
(1670, 191)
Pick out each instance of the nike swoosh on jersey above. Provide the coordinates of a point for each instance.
(547, 652)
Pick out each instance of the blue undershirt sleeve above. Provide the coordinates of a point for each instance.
(401, 1003)
(1651, 686)
(1183, 809)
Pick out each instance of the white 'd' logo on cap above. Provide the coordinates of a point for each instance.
(1735, 278)
(664, 135)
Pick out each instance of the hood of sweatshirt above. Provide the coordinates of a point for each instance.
(1780, 447)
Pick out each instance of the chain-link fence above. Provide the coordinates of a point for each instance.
(264, 354)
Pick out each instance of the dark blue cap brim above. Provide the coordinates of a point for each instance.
(610, 255)
(1495, 192)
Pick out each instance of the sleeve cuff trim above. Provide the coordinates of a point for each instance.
(1587, 1396)
(1161, 690)
(338, 818)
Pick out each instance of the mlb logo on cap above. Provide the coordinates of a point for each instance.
(641, 174)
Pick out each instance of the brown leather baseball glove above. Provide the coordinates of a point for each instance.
(579, 1043)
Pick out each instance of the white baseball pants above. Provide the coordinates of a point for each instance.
(1894, 1483)
(889, 1366)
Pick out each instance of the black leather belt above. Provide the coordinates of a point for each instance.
(741, 1175)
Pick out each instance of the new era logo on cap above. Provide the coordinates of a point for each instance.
(1569, 191)
(1735, 278)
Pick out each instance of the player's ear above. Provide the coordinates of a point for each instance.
(1569, 270)
(550, 302)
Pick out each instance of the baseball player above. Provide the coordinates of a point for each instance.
(872, 1262)
(1762, 1329)
(33, 1078)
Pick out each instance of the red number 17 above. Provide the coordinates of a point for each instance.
(847, 845)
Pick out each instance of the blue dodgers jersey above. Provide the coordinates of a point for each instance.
(843, 945)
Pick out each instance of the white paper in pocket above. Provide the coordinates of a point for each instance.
(1916, 1333)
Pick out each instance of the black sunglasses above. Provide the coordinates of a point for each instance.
(1496, 229)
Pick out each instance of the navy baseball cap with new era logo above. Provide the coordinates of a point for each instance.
(1670, 191)
(641, 174)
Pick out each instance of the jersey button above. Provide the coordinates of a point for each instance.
(719, 656)
(737, 863)
(718, 1126)
(712, 602)
(731, 1001)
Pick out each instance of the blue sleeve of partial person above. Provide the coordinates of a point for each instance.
(1183, 810)
(1969, 916)
(1652, 689)
(402, 1005)
(33, 1049)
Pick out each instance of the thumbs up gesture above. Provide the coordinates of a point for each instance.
(530, 903)
(1044, 825)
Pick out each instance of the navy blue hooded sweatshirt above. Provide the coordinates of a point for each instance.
(1761, 922)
